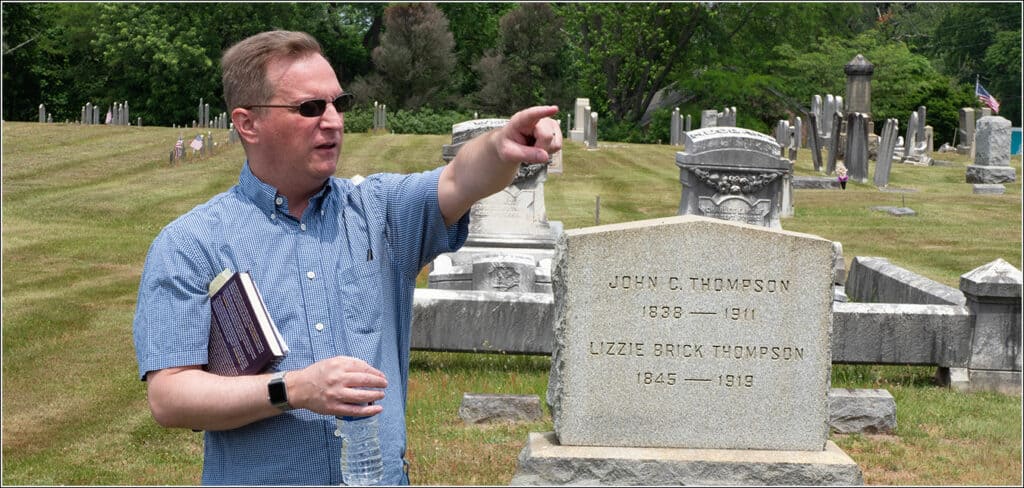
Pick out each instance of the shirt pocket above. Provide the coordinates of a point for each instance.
(362, 297)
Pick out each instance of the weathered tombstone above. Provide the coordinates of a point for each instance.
(674, 128)
(90, 113)
(734, 174)
(812, 141)
(586, 125)
(834, 140)
(708, 118)
(704, 338)
(985, 112)
(782, 134)
(581, 113)
(796, 139)
(127, 115)
(82, 119)
(966, 131)
(910, 141)
(199, 114)
(689, 122)
(858, 85)
(95, 115)
(592, 133)
(885, 152)
(49, 118)
(856, 153)
(42, 113)
(991, 152)
(206, 116)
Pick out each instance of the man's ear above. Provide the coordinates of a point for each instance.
(245, 124)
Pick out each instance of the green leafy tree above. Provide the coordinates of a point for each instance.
(626, 51)
(474, 26)
(526, 68)
(414, 61)
(983, 41)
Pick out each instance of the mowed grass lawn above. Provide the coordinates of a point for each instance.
(82, 204)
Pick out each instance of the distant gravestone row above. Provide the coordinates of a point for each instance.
(117, 114)
(678, 126)
(203, 120)
(202, 145)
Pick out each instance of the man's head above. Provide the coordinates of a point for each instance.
(266, 79)
(244, 65)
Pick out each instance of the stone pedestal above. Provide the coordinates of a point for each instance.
(993, 294)
(543, 462)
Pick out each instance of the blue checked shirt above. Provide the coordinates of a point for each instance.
(340, 282)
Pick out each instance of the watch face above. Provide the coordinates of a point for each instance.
(278, 393)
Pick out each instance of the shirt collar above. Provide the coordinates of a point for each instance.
(265, 195)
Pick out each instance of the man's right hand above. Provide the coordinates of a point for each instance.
(339, 386)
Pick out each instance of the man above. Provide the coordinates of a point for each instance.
(336, 263)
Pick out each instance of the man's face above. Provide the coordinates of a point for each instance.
(303, 151)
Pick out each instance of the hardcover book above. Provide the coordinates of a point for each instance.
(243, 337)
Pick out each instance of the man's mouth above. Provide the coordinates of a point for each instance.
(328, 145)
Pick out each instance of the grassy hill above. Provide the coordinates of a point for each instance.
(81, 204)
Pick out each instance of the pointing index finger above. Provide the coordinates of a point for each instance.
(525, 120)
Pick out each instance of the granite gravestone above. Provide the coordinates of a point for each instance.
(991, 152)
(706, 339)
(732, 173)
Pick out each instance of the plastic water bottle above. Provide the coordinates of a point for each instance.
(361, 463)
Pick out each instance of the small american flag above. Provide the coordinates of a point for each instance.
(985, 98)
(179, 147)
(196, 143)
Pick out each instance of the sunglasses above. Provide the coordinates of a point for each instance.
(316, 108)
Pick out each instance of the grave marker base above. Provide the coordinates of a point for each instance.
(545, 462)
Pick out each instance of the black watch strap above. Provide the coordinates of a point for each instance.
(277, 392)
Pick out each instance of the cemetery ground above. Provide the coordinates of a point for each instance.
(81, 204)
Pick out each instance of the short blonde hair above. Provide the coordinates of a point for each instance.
(244, 65)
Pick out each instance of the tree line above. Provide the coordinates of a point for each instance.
(634, 61)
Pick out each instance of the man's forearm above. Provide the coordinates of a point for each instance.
(488, 163)
(196, 399)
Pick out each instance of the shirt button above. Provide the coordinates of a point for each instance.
(303, 227)
(273, 216)
(279, 200)
(337, 432)
(319, 326)
(310, 275)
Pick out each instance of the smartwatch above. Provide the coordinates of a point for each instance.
(277, 392)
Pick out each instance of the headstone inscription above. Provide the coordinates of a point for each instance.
(707, 339)
(732, 173)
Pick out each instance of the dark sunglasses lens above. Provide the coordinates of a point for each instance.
(344, 102)
(312, 108)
